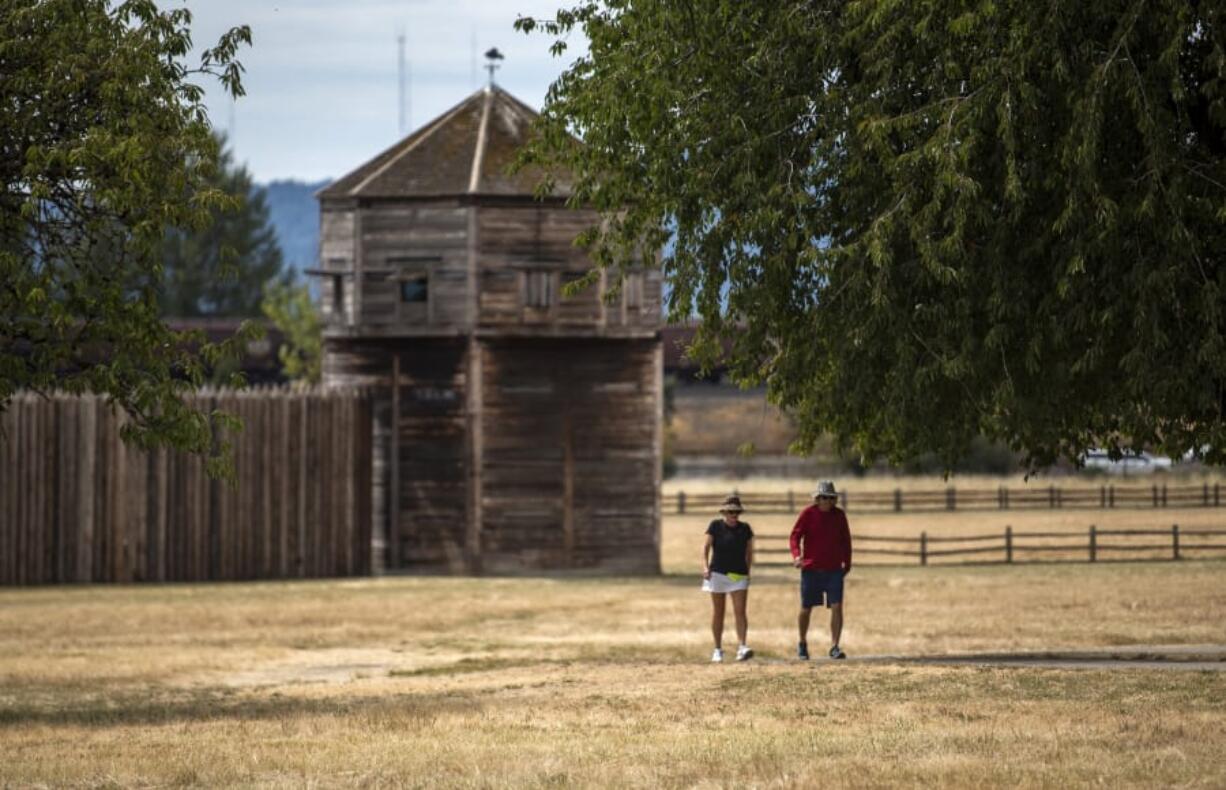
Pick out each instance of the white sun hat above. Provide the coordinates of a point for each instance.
(825, 488)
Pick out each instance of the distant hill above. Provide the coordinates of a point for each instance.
(294, 213)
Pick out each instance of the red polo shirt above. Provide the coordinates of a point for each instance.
(826, 539)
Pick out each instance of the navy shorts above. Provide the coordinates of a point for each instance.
(816, 586)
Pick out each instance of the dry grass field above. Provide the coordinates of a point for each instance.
(572, 681)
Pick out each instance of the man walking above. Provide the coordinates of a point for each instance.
(821, 548)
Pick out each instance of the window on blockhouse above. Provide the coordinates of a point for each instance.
(415, 289)
(338, 294)
(539, 290)
(634, 290)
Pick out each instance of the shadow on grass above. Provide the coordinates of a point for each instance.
(223, 704)
(160, 705)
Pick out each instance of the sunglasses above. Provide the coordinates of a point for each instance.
(829, 498)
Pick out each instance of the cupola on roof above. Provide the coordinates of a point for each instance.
(464, 151)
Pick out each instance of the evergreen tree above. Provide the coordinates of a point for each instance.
(222, 268)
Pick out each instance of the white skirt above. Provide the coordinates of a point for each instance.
(725, 582)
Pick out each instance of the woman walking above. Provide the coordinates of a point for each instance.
(727, 557)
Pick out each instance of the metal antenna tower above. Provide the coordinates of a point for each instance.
(403, 74)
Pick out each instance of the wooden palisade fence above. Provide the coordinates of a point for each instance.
(1014, 546)
(1002, 498)
(78, 505)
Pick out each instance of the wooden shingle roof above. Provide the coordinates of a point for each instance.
(464, 151)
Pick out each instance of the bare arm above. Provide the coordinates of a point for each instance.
(706, 557)
(749, 555)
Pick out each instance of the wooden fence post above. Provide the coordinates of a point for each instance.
(951, 498)
(1093, 543)
(1164, 494)
(845, 499)
(1174, 541)
(1216, 499)
(1111, 496)
(1051, 497)
(1205, 497)
(923, 548)
(791, 502)
(1155, 492)
(897, 500)
(681, 502)
(1009, 544)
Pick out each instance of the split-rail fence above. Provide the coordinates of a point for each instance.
(1002, 498)
(1016, 546)
(77, 504)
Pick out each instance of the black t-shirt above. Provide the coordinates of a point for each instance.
(728, 546)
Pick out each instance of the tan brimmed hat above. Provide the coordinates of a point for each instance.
(732, 504)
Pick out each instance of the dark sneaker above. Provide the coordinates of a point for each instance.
(802, 651)
(837, 652)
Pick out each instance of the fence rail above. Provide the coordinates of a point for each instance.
(78, 505)
(1052, 497)
(1010, 545)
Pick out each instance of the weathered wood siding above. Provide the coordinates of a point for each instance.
(78, 505)
(433, 452)
(336, 254)
(569, 472)
(401, 241)
(523, 429)
(420, 444)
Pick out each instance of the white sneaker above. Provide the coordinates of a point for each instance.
(717, 656)
(743, 652)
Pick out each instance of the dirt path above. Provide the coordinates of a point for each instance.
(344, 666)
(1186, 657)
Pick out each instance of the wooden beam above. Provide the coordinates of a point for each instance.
(568, 487)
(393, 506)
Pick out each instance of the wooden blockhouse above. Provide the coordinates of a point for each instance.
(515, 428)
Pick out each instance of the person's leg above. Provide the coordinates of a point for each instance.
(717, 619)
(836, 622)
(739, 600)
(802, 623)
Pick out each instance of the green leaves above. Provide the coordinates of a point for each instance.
(922, 222)
(106, 143)
(291, 309)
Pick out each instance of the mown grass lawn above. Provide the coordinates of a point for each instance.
(604, 682)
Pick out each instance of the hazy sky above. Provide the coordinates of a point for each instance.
(321, 75)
